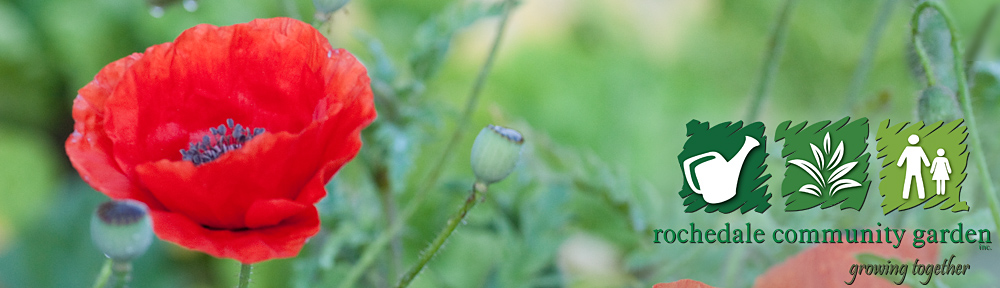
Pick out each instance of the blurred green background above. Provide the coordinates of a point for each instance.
(601, 89)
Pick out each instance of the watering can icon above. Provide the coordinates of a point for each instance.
(717, 177)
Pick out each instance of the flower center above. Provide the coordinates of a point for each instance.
(224, 138)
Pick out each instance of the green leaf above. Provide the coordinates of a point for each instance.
(329, 6)
(433, 38)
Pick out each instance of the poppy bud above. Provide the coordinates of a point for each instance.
(122, 229)
(937, 103)
(495, 152)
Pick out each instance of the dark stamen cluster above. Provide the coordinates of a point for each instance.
(224, 138)
(508, 133)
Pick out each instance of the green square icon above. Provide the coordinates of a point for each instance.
(922, 164)
(723, 168)
(826, 164)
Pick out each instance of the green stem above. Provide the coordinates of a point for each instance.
(964, 99)
(381, 176)
(775, 47)
(245, 271)
(369, 254)
(865, 63)
(121, 271)
(102, 277)
(433, 248)
(980, 36)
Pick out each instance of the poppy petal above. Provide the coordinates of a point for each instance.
(97, 92)
(209, 74)
(264, 213)
(247, 246)
(88, 147)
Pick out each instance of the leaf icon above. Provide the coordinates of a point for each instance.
(811, 189)
(844, 184)
(841, 171)
(809, 168)
(837, 156)
(826, 143)
(818, 155)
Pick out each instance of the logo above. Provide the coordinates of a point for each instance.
(826, 164)
(723, 168)
(922, 164)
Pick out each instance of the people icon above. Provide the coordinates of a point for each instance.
(913, 156)
(940, 169)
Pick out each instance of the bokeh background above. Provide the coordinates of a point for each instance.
(601, 89)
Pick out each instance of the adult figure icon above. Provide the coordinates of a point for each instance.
(940, 169)
(913, 156)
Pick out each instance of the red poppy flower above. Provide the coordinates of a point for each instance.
(228, 134)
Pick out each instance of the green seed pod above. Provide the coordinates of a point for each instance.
(495, 152)
(122, 229)
(937, 103)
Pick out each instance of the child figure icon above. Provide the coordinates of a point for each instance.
(940, 169)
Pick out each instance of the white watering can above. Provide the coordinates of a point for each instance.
(717, 177)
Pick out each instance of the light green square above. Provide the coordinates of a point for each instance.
(893, 140)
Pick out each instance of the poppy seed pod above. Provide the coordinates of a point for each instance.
(937, 103)
(495, 152)
(122, 229)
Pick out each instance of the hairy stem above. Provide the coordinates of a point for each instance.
(245, 271)
(964, 99)
(442, 236)
(865, 63)
(122, 271)
(980, 36)
(369, 254)
(774, 47)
